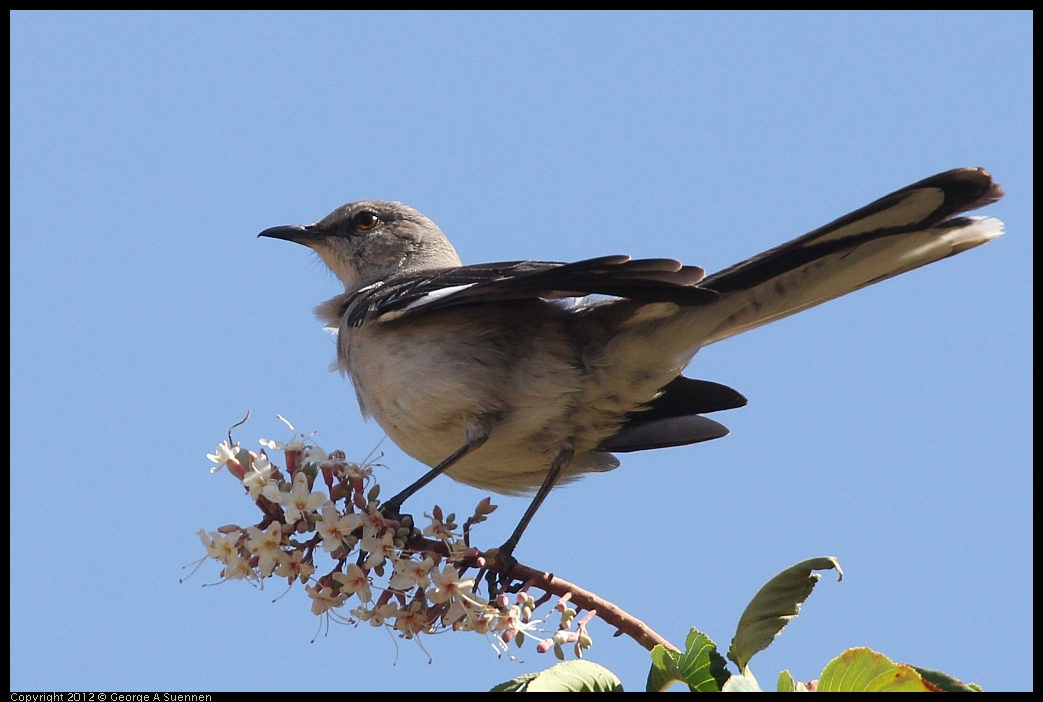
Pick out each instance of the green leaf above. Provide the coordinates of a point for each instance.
(944, 681)
(864, 670)
(664, 671)
(703, 667)
(516, 685)
(570, 676)
(788, 684)
(741, 683)
(774, 606)
(700, 666)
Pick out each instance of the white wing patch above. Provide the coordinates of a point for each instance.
(427, 299)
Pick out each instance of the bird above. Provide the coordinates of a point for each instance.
(519, 376)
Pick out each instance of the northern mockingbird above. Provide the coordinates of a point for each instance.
(525, 374)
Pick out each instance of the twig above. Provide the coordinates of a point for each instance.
(610, 613)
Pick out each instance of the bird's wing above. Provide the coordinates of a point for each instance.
(909, 228)
(645, 280)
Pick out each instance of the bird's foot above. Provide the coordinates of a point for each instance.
(391, 512)
(499, 576)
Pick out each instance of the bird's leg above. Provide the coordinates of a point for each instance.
(476, 433)
(561, 460)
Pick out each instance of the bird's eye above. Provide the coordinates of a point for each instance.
(365, 221)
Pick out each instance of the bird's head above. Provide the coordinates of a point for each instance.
(370, 240)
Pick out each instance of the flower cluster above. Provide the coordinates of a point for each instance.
(395, 576)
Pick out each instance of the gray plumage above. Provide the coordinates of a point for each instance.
(496, 356)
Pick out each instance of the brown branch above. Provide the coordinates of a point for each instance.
(584, 599)
(610, 613)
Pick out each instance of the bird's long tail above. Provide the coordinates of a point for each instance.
(909, 228)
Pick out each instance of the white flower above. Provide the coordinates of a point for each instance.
(225, 454)
(354, 582)
(296, 444)
(336, 528)
(299, 501)
(448, 584)
(314, 454)
(373, 520)
(322, 600)
(259, 477)
(292, 566)
(466, 610)
(410, 573)
(412, 621)
(378, 549)
(382, 613)
(266, 546)
(220, 547)
(438, 529)
(355, 472)
(238, 568)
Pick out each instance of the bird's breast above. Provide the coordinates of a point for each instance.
(423, 377)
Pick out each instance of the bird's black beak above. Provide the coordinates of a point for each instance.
(306, 234)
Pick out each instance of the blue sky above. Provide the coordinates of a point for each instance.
(891, 429)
